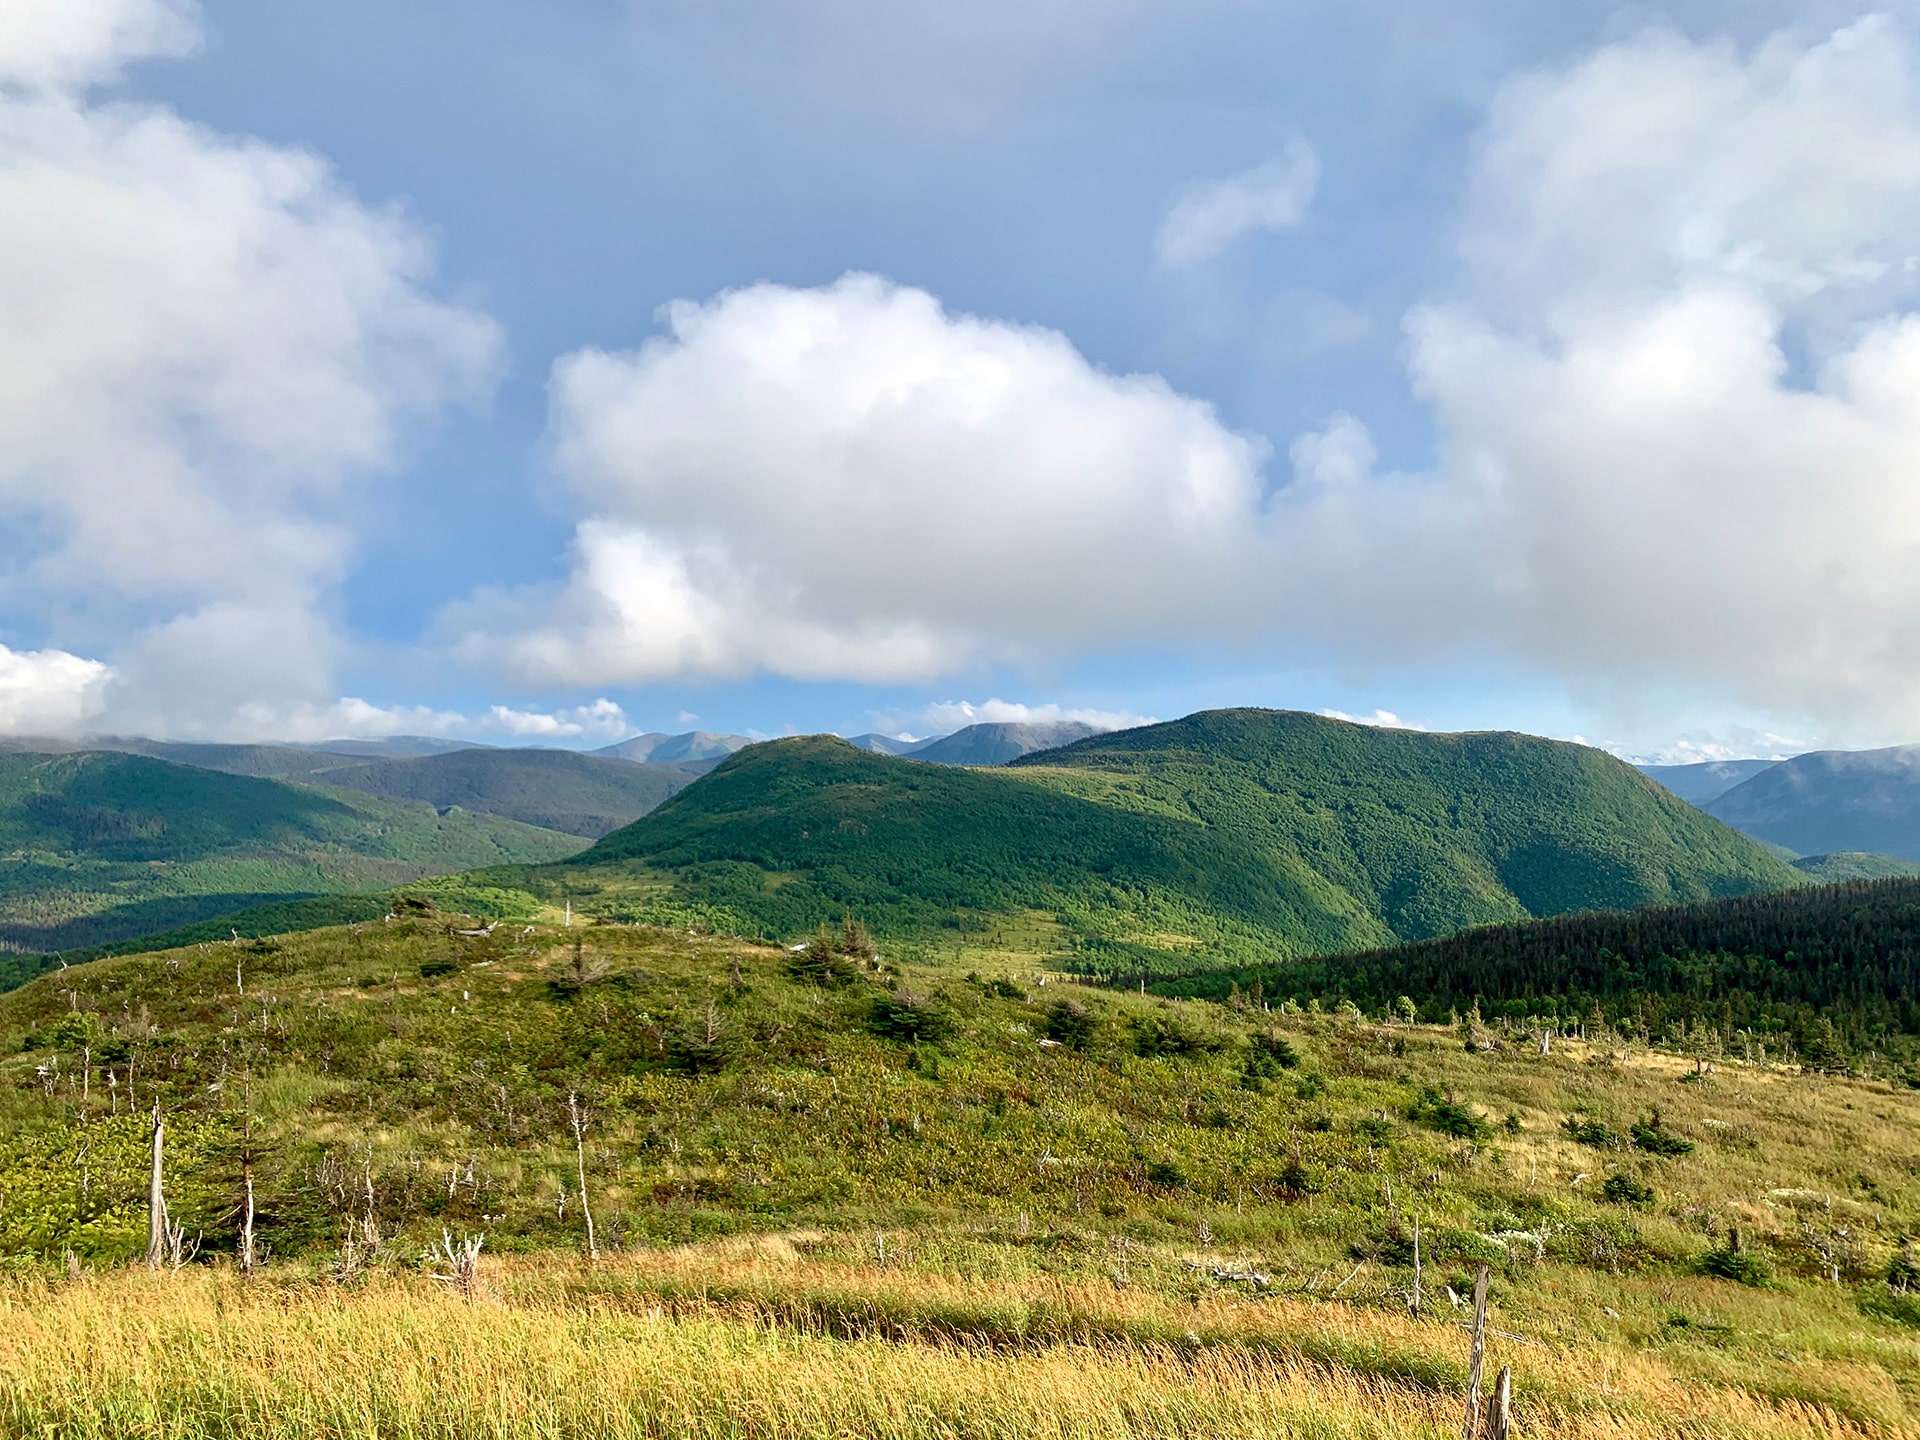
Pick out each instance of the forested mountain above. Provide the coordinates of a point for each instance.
(1832, 800)
(1775, 964)
(1708, 779)
(1228, 833)
(563, 790)
(99, 846)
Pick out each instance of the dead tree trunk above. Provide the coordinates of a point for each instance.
(156, 1196)
(1478, 1355)
(579, 1119)
(1500, 1410)
(249, 1251)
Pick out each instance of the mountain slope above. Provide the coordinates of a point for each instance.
(1002, 742)
(1708, 779)
(1832, 800)
(98, 846)
(562, 790)
(694, 745)
(1226, 833)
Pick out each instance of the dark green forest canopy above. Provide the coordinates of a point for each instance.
(1239, 834)
(1847, 954)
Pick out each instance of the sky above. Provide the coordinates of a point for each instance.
(543, 371)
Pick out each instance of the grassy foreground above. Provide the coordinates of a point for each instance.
(755, 1341)
(842, 1196)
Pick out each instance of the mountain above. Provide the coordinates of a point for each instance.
(1708, 780)
(390, 747)
(887, 744)
(1832, 800)
(1001, 743)
(562, 790)
(694, 745)
(101, 845)
(1771, 964)
(1228, 833)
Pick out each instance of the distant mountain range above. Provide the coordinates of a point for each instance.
(1832, 800)
(1708, 780)
(1229, 832)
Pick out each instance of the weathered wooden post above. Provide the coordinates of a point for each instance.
(1479, 1353)
(1500, 1411)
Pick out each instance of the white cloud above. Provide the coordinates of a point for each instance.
(600, 720)
(949, 715)
(61, 44)
(205, 344)
(1208, 216)
(1379, 719)
(49, 692)
(850, 483)
(1681, 399)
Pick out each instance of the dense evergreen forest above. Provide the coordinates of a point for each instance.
(1831, 971)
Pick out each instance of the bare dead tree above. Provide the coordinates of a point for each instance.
(578, 1115)
(156, 1195)
(461, 1262)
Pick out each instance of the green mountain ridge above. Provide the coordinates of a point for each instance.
(1227, 834)
(99, 846)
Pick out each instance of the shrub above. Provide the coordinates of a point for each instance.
(1447, 1115)
(430, 969)
(1167, 1173)
(909, 1017)
(1622, 1189)
(1070, 1023)
(1884, 1302)
(1725, 1263)
(1585, 1130)
(1268, 1056)
(1651, 1136)
(822, 963)
(1165, 1034)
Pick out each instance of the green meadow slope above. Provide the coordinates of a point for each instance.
(1230, 834)
(98, 846)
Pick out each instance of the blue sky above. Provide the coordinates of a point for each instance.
(1522, 366)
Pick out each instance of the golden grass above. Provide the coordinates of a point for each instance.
(733, 1343)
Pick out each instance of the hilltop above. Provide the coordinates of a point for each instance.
(101, 846)
(1230, 833)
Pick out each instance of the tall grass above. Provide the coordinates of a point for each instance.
(560, 1350)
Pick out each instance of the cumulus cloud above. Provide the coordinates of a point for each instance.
(948, 715)
(600, 720)
(62, 44)
(1379, 719)
(206, 342)
(49, 692)
(1208, 216)
(850, 482)
(1681, 400)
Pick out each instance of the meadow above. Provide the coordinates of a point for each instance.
(835, 1193)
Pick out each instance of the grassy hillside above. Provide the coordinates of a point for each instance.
(1854, 865)
(904, 1179)
(96, 846)
(1251, 834)
(1828, 973)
